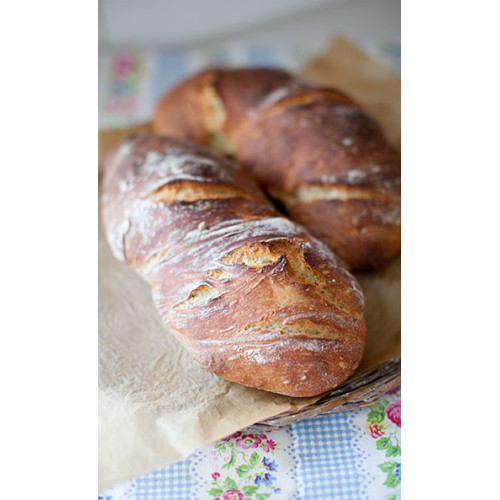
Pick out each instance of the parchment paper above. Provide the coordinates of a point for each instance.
(155, 404)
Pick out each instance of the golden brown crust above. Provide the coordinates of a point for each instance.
(249, 293)
(292, 135)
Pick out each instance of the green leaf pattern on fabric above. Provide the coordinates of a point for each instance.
(245, 476)
(382, 423)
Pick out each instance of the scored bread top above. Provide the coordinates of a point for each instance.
(250, 294)
(312, 148)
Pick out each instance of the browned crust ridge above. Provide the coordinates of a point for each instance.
(296, 137)
(250, 294)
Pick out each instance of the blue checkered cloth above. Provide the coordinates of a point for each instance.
(326, 461)
(329, 464)
(173, 483)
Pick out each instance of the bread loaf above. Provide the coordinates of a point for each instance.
(250, 294)
(313, 150)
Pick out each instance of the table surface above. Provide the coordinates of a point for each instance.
(348, 455)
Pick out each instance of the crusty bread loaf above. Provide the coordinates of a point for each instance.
(252, 297)
(312, 149)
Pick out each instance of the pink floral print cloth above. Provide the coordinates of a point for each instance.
(347, 456)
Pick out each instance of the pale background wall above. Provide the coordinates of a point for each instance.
(213, 23)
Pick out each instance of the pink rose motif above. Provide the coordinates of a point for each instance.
(375, 430)
(232, 436)
(394, 391)
(248, 441)
(393, 412)
(215, 475)
(122, 65)
(232, 495)
(269, 445)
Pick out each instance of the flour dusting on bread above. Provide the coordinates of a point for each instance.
(250, 294)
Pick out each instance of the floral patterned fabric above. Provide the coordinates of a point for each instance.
(347, 456)
(383, 424)
(247, 469)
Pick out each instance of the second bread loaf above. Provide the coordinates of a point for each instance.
(313, 149)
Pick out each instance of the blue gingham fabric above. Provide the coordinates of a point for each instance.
(324, 445)
(173, 482)
(352, 455)
(346, 456)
